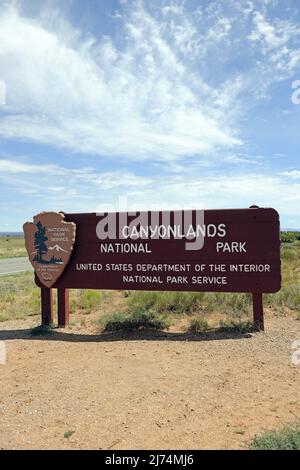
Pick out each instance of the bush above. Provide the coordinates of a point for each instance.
(289, 237)
(142, 299)
(172, 302)
(87, 300)
(233, 304)
(286, 439)
(290, 252)
(137, 320)
(238, 326)
(288, 296)
(198, 325)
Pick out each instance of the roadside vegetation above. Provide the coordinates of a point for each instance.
(20, 298)
(288, 298)
(12, 247)
(289, 237)
(195, 312)
(287, 438)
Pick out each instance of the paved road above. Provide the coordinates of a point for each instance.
(14, 265)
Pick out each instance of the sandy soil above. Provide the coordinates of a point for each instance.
(146, 390)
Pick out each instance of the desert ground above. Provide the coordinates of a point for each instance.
(76, 389)
(201, 378)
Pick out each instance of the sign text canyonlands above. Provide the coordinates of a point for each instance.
(231, 250)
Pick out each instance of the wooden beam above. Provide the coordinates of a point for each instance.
(258, 311)
(47, 306)
(63, 307)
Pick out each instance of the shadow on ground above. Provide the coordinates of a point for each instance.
(54, 335)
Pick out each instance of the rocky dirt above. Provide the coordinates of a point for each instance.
(145, 390)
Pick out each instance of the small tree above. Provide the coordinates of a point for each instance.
(39, 241)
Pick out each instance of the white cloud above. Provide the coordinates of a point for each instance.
(156, 92)
(278, 41)
(88, 190)
(71, 91)
(17, 167)
(293, 174)
(175, 8)
(265, 32)
(57, 178)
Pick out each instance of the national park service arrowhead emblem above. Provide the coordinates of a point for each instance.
(49, 242)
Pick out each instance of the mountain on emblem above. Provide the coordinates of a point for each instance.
(57, 248)
(49, 242)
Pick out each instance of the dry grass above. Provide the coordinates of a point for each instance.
(20, 298)
(12, 247)
(289, 295)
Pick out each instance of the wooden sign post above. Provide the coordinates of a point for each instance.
(258, 311)
(230, 250)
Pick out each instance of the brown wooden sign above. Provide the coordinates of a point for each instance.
(232, 250)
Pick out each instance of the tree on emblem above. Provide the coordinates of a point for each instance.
(39, 242)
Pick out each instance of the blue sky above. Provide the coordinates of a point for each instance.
(146, 105)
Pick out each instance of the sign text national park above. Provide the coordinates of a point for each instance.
(232, 250)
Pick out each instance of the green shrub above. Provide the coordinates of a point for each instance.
(236, 325)
(288, 296)
(286, 439)
(230, 303)
(289, 237)
(142, 299)
(290, 252)
(198, 325)
(85, 299)
(172, 302)
(233, 304)
(136, 320)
